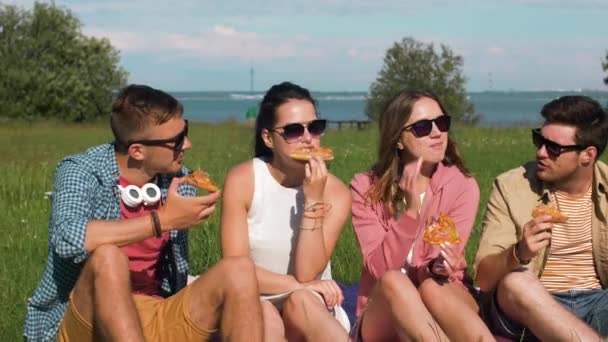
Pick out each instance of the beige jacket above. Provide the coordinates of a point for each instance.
(515, 193)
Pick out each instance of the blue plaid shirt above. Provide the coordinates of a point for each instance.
(86, 189)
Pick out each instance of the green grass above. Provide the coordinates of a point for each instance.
(30, 152)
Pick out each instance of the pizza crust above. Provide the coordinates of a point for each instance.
(304, 154)
(201, 180)
(556, 215)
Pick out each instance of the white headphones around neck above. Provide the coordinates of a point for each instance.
(132, 195)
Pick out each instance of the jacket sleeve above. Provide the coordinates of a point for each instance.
(498, 229)
(71, 211)
(382, 243)
(464, 211)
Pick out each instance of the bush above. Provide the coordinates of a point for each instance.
(51, 69)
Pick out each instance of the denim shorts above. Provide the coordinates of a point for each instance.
(590, 306)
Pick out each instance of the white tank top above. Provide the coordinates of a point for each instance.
(273, 221)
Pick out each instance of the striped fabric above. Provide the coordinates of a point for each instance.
(570, 263)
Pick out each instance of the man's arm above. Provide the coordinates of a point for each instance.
(501, 250)
(178, 212)
(494, 257)
(73, 235)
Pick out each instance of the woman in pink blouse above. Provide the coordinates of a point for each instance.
(409, 288)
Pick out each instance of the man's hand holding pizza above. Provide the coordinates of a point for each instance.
(536, 236)
(181, 212)
(537, 232)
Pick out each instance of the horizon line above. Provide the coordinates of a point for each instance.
(558, 90)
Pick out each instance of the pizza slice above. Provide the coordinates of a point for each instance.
(304, 154)
(201, 180)
(441, 231)
(544, 209)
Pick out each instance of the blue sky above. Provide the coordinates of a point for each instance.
(330, 45)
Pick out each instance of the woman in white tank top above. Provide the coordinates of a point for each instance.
(287, 216)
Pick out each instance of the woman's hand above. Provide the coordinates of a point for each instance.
(407, 184)
(449, 262)
(331, 292)
(314, 180)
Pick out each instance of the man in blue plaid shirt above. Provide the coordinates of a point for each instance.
(117, 264)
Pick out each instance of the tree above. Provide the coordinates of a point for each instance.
(416, 65)
(51, 69)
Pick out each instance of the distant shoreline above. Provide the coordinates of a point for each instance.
(574, 91)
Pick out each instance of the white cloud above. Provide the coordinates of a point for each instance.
(219, 42)
(224, 30)
(122, 40)
(496, 50)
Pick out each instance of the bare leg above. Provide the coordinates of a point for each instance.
(307, 319)
(274, 330)
(453, 307)
(228, 293)
(523, 298)
(395, 308)
(102, 295)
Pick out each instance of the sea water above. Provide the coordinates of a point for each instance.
(496, 108)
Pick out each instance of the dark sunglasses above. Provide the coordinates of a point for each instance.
(553, 149)
(294, 132)
(177, 141)
(424, 127)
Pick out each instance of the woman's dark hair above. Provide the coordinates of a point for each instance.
(277, 95)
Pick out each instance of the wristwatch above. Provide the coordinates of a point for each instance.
(517, 254)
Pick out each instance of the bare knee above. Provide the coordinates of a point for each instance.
(430, 292)
(517, 285)
(396, 284)
(106, 269)
(299, 302)
(107, 260)
(236, 265)
(238, 274)
(519, 290)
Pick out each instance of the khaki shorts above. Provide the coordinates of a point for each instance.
(161, 319)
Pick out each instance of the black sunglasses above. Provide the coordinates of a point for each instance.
(294, 132)
(553, 149)
(424, 127)
(177, 141)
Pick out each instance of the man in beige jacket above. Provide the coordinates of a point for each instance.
(541, 278)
